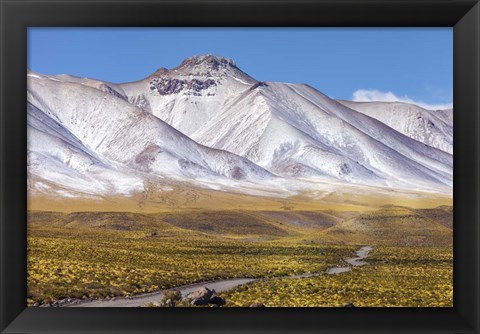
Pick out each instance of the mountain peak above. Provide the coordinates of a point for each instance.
(208, 60)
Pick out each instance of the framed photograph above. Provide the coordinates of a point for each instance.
(298, 166)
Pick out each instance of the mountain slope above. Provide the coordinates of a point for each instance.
(207, 121)
(122, 136)
(291, 130)
(297, 131)
(58, 161)
(431, 127)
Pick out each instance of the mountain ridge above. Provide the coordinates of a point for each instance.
(208, 122)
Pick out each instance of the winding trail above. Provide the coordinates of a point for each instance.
(144, 299)
(353, 261)
(218, 286)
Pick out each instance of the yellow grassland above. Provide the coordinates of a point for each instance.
(396, 277)
(103, 254)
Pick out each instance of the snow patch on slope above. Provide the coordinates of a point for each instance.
(430, 127)
(208, 123)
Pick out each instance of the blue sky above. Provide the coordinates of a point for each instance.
(413, 64)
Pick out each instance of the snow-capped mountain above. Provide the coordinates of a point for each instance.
(208, 121)
(295, 130)
(191, 94)
(80, 132)
(431, 127)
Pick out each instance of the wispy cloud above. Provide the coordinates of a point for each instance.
(369, 95)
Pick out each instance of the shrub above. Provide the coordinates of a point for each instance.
(173, 295)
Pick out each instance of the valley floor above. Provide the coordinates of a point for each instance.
(84, 256)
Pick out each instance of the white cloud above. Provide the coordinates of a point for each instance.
(369, 95)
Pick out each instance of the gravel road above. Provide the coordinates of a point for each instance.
(141, 300)
(218, 286)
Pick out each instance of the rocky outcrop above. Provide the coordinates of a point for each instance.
(201, 296)
(204, 296)
(168, 86)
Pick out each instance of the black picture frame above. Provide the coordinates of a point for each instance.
(462, 15)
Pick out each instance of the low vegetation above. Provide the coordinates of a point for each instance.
(396, 276)
(88, 255)
(92, 263)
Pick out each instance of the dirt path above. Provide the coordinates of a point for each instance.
(218, 286)
(353, 261)
(141, 300)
